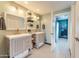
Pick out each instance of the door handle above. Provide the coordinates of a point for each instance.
(77, 39)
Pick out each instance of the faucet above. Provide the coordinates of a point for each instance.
(17, 31)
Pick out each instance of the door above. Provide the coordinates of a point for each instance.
(52, 31)
(77, 31)
(53, 28)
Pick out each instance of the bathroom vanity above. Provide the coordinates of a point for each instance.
(19, 45)
(38, 39)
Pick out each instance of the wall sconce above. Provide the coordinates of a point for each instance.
(37, 17)
(34, 17)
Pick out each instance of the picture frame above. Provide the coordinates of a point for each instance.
(43, 26)
(2, 24)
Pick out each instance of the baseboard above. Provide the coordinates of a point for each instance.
(48, 43)
(4, 56)
(70, 52)
(22, 55)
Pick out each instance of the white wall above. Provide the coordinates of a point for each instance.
(76, 34)
(46, 19)
(72, 31)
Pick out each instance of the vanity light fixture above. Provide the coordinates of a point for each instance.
(34, 17)
(37, 17)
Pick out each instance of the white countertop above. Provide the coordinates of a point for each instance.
(18, 35)
(37, 32)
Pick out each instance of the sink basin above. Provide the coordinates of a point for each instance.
(17, 33)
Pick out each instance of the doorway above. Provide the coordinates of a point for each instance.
(61, 35)
(61, 26)
(61, 29)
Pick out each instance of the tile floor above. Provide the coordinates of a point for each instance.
(61, 51)
(43, 52)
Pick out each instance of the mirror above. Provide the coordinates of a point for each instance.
(21, 23)
(15, 22)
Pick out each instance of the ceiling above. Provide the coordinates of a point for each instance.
(43, 7)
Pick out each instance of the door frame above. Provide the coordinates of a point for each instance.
(53, 23)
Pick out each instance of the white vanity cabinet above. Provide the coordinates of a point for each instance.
(19, 45)
(40, 37)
